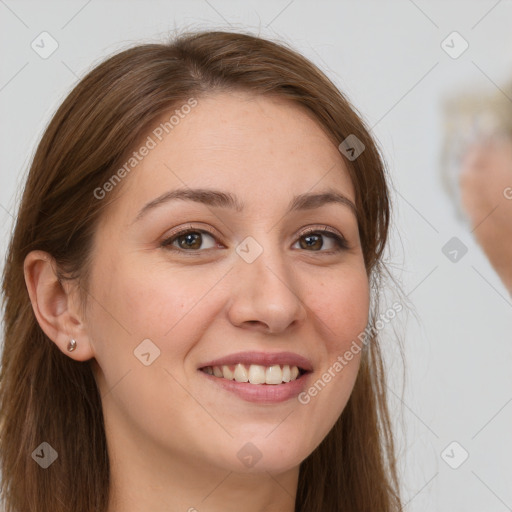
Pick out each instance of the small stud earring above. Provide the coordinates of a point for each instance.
(71, 345)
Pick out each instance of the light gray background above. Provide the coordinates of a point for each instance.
(387, 57)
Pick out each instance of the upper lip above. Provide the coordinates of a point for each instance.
(263, 359)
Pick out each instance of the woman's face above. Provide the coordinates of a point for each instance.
(164, 306)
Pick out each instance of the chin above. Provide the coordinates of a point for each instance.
(264, 453)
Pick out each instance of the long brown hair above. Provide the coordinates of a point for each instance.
(47, 396)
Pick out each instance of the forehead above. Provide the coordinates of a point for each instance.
(262, 148)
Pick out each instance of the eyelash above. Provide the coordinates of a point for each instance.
(341, 242)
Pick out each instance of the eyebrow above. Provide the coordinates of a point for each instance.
(217, 198)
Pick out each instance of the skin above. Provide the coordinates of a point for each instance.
(486, 193)
(173, 436)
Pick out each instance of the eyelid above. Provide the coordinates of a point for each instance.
(193, 227)
(322, 228)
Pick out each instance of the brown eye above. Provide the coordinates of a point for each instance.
(188, 240)
(315, 240)
(312, 242)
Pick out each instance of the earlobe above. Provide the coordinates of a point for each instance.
(53, 307)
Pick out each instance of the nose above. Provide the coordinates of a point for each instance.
(264, 296)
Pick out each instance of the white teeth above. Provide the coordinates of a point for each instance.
(227, 373)
(274, 375)
(255, 373)
(241, 373)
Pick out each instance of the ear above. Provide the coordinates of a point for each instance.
(55, 308)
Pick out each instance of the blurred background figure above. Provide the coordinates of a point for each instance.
(477, 171)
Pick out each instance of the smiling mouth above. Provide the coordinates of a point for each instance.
(255, 373)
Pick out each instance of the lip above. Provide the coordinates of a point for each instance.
(262, 393)
(263, 359)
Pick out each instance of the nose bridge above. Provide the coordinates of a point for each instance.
(266, 290)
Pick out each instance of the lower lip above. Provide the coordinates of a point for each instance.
(262, 393)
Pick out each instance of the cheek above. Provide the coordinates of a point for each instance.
(341, 307)
(342, 310)
(134, 303)
(172, 308)
(129, 306)
(149, 302)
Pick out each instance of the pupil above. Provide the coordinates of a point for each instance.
(309, 238)
(190, 237)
